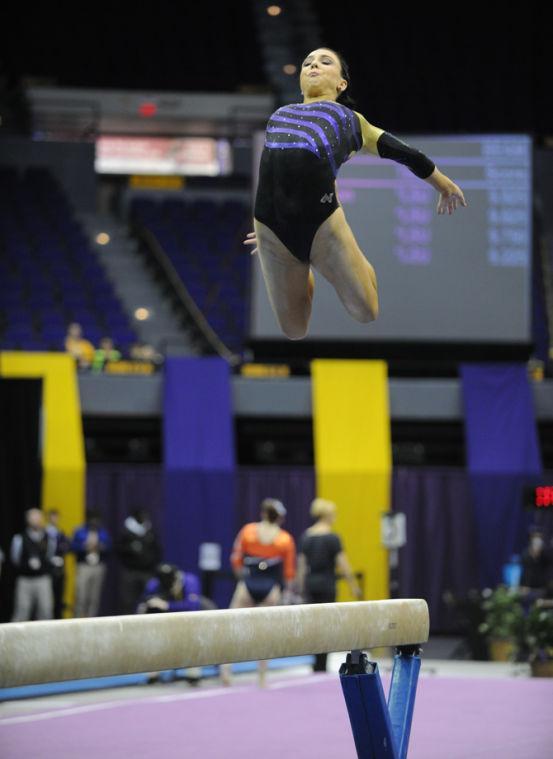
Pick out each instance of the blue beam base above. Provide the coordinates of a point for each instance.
(380, 730)
(401, 698)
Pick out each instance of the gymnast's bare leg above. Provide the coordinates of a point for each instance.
(243, 600)
(336, 255)
(290, 284)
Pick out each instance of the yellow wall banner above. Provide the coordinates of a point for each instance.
(63, 459)
(353, 460)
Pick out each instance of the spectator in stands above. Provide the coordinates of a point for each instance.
(321, 556)
(62, 546)
(145, 352)
(31, 554)
(91, 544)
(139, 551)
(82, 350)
(174, 590)
(104, 354)
(264, 561)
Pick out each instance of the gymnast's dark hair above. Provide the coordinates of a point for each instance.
(272, 509)
(344, 97)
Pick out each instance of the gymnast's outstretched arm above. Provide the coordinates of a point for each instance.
(385, 145)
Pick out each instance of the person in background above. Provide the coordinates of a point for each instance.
(91, 544)
(264, 561)
(145, 352)
(536, 564)
(104, 354)
(139, 552)
(31, 554)
(321, 557)
(62, 546)
(82, 350)
(172, 590)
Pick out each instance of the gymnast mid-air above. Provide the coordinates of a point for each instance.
(298, 220)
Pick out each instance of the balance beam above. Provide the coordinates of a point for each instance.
(71, 649)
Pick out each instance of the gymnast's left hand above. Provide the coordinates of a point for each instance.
(251, 239)
(451, 196)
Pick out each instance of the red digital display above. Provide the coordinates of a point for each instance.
(543, 496)
(147, 109)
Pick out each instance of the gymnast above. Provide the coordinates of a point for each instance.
(264, 561)
(298, 220)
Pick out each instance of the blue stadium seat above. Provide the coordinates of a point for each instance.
(203, 240)
(49, 273)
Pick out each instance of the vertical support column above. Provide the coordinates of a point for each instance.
(503, 455)
(63, 458)
(353, 460)
(199, 461)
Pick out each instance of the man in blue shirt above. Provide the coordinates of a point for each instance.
(91, 544)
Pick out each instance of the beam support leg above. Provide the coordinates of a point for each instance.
(401, 698)
(381, 730)
(367, 709)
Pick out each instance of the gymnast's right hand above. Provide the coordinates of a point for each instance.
(251, 239)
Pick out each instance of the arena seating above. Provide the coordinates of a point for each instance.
(203, 241)
(49, 273)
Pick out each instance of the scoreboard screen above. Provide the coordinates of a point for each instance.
(464, 277)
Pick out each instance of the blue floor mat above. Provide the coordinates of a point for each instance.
(97, 683)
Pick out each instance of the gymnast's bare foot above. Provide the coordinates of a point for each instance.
(262, 670)
(225, 676)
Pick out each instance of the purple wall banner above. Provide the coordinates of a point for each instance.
(199, 460)
(503, 456)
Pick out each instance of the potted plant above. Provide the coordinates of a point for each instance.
(538, 638)
(503, 621)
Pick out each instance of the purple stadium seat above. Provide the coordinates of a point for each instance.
(203, 240)
(52, 335)
(49, 273)
(53, 316)
(32, 345)
(7, 344)
(20, 332)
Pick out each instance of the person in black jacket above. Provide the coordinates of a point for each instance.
(321, 557)
(62, 546)
(31, 553)
(139, 551)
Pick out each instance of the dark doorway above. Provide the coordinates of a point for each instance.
(20, 469)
